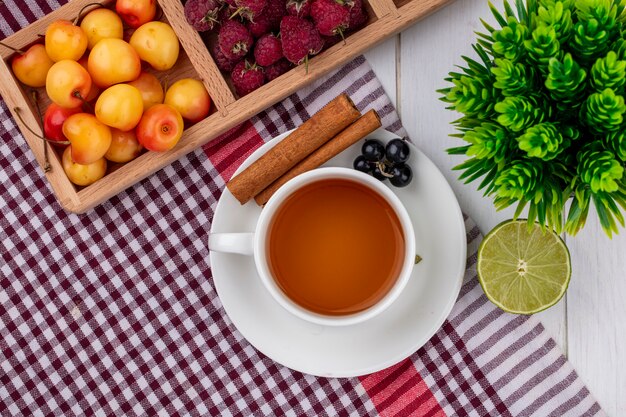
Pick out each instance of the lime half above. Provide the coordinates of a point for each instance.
(523, 271)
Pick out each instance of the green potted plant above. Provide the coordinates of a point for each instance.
(543, 111)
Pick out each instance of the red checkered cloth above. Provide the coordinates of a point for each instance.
(114, 312)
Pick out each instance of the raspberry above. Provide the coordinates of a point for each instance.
(234, 40)
(300, 39)
(277, 69)
(358, 15)
(262, 24)
(247, 77)
(300, 8)
(269, 20)
(202, 15)
(275, 10)
(331, 17)
(226, 12)
(249, 9)
(223, 63)
(358, 19)
(331, 40)
(268, 49)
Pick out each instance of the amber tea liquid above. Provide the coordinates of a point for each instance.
(335, 247)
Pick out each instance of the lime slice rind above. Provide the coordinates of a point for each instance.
(523, 272)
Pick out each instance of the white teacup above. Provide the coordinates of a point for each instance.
(255, 244)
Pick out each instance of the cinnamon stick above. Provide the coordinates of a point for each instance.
(319, 129)
(365, 125)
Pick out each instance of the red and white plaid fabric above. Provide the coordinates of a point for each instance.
(114, 313)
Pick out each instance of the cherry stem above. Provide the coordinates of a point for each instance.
(19, 51)
(17, 111)
(85, 102)
(19, 116)
(80, 14)
(46, 167)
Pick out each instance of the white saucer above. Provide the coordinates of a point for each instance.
(366, 347)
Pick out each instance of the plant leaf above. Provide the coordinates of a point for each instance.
(508, 10)
(532, 212)
(484, 36)
(471, 171)
(489, 178)
(483, 56)
(609, 202)
(520, 207)
(521, 10)
(487, 26)
(501, 20)
(460, 150)
(606, 220)
(541, 214)
(577, 216)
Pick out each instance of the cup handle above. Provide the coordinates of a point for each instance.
(240, 243)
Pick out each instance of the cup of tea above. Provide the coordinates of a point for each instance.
(333, 246)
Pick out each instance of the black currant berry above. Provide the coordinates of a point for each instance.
(397, 151)
(402, 175)
(373, 150)
(362, 164)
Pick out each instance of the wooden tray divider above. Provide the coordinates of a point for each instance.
(383, 8)
(412, 10)
(190, 40)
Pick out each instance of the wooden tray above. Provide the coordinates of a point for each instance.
(387, 17)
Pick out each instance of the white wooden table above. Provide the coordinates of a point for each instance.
(589, 324)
